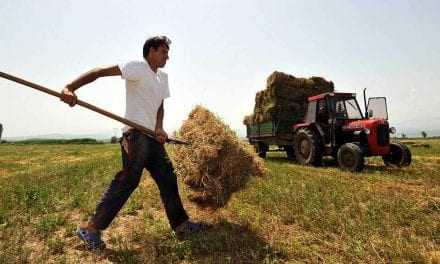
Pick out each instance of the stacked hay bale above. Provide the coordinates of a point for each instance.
(217, 163)
(285, 99)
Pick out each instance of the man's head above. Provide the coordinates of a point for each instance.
(155, 50)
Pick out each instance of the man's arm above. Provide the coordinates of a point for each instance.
(68, 93)
(161, 135)
(159, 117)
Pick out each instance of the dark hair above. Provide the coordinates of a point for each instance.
(155, 42)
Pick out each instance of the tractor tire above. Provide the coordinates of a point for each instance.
(290, 152)
(261, 149)
(351, 157)
(307, 147)
(399, 156)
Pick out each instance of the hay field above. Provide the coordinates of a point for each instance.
(294, 214)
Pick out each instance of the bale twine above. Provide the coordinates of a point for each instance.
(217, 163)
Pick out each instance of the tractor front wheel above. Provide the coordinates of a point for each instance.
(399, 156)
(350, 157)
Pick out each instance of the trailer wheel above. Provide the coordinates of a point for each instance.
(399, 156)
(351, 157)
(290, 152)
(307, 147)
(261, 149)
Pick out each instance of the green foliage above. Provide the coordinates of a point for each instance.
(125, 254)
(12, 249)
(48, 224)
(132, 206)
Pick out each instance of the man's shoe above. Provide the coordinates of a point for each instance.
(186, 229)
(92, 240)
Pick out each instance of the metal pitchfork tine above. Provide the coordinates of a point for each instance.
(141, 128)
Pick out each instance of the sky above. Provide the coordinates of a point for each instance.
(220, 56)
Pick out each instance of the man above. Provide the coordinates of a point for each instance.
(146, 88)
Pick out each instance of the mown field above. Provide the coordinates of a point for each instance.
(294, 214)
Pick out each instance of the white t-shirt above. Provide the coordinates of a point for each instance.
(145, 91)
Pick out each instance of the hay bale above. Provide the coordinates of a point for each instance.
(248, 120)
(285, 98)
(217, 163)
(433, 257)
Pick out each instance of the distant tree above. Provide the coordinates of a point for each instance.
(403, 135)
(1, 131)
(114, 140)
(424, 134)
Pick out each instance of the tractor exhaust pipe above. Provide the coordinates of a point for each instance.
(365, 103)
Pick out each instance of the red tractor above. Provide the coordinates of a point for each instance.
(334, 125)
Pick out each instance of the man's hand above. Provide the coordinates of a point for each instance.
(68, 97)
(161, 135)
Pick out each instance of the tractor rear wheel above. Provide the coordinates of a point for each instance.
(399, 156)
(307, 147)
(350, 157)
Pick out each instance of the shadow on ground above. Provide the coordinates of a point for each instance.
(220, 243)
(329, 162)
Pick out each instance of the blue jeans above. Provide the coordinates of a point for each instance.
(138, 152)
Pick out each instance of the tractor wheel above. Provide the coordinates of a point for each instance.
(261, 149)
(351, 157)
(399, 156)
(307, 147)
(290, 152)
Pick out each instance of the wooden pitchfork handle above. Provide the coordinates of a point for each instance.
(141, 128)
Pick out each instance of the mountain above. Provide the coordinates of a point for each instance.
(97, 136)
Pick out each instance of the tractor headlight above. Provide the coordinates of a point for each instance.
(366, 131)
(392, 130)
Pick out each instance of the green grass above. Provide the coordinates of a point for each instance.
(292, 214)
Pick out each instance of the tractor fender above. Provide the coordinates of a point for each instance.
(313, 126)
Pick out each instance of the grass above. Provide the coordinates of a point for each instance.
(293, 214)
